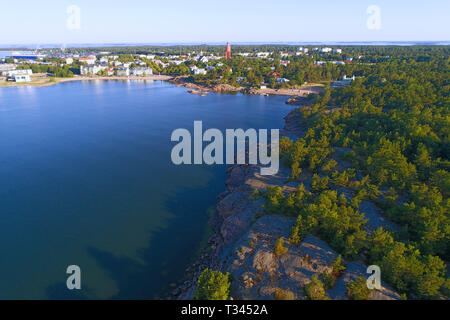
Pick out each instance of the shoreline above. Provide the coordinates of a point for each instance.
(244, 237)
(49, 82)
(234, 197)
(202, 90)
(40, 80)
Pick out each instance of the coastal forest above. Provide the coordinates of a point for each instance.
(391, 129)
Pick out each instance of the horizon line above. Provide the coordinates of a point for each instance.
(136, 44)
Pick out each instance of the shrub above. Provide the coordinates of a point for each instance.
(319, 184)
(280, 249)
(281, 294)
(357, 290)
(315, 290)
(212, 285)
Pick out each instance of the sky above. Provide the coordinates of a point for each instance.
(212, 21)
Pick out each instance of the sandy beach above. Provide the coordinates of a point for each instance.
(40, 80)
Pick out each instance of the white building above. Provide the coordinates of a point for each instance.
(282, 80)
(20, 78)
(197, 71)
(263, 54)
(141, 71)
(203, 59)
(13, 73)
(337, 51)
(343, 83)
(69, 60)
(89, 59)
(326, 50)
(89, 70)
(301, 50)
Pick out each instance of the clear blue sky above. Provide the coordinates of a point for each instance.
(175, 21)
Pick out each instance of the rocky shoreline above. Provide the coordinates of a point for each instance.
(236, 188)
(297, 94)
(244, 238)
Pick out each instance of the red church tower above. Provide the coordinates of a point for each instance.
(228, 56)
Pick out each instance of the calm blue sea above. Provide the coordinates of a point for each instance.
(86, 179)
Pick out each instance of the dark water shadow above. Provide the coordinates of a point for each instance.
(170, 249)
(59, 291)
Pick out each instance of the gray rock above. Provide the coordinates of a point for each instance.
(235, 225)
(375, 218)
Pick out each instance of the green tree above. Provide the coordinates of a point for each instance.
(315, 290)
(212, 285)
(358, 290)
(280, 249)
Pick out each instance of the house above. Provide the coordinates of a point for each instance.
(326, 50)
(141, 71)
(104, 60)
(110, 72)
(6, 67)
(263, 86)
(69, 60)
(20, 78)
(343, 83)
(349, 79)
(337, 51)
(262, 54)
(282, 80)
(13, 73)
(123, 72)
(197, 71)
(203, 59)
(89, 59)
